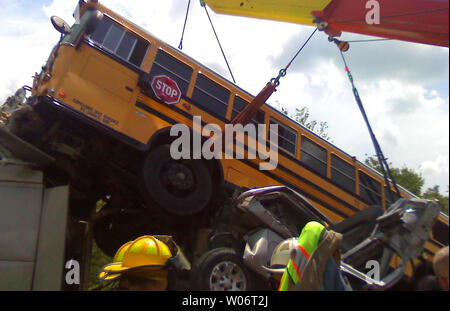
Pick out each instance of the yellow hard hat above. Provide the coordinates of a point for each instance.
(145, 257)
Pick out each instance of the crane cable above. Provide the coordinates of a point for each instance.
(283, 71)
(384, 166)
(245, 115)
(180, 46)
(251, 109)
(218, 41)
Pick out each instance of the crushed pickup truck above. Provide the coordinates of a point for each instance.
(262, 219)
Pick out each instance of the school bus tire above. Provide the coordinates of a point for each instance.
(161, 185)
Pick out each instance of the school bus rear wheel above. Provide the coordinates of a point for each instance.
(181, 187)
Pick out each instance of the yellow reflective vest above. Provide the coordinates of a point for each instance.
(307, 243)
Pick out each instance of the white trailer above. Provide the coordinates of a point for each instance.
(34, 221)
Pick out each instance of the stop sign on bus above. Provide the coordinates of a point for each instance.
(166, 89)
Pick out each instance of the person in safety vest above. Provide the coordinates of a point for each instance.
(313, 261)
(145, 264)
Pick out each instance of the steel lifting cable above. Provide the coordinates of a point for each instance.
(220, 45)
(180, 46)
(251, 109)
(384, 166)
(283, 71)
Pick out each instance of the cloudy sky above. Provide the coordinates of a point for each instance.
(404, 86)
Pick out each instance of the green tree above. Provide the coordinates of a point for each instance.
(433, 193)
(98, 260)
(405, 177)
(320, 128)
(302, 117)
(412, 181)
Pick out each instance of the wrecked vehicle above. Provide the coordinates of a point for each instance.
(263, 219)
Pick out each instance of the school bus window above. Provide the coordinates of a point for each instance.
(239, 104)
(369, 189)
(211, 96)
(118, 41)
(165, 64)
(440, 232)
(287, 137)
(343, 173)
(387, 196)
(99, 34)
(140, 50)
(313, 156)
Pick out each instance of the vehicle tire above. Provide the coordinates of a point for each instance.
(181, 187)
(221, 269)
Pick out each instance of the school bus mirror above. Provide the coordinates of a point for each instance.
(61, 25)
(93, 22)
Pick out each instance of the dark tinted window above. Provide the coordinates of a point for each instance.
(126, 46)
(211, 96)
(165, 64)
(99, 34)
(440, 232)
(139, 52)
(343, 173)
(287, 137)
(239, 104)
(314, 156)
(113, 38)
(369, 189)
(119, 42)
(387, 196)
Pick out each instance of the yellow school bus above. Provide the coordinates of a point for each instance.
(101, 73)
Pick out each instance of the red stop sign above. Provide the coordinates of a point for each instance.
(166, 89)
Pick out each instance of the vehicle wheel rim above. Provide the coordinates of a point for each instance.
(227, 276)
(178, 179)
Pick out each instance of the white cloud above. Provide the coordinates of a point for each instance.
(437, 171)
(61, 8)
(411, 122)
